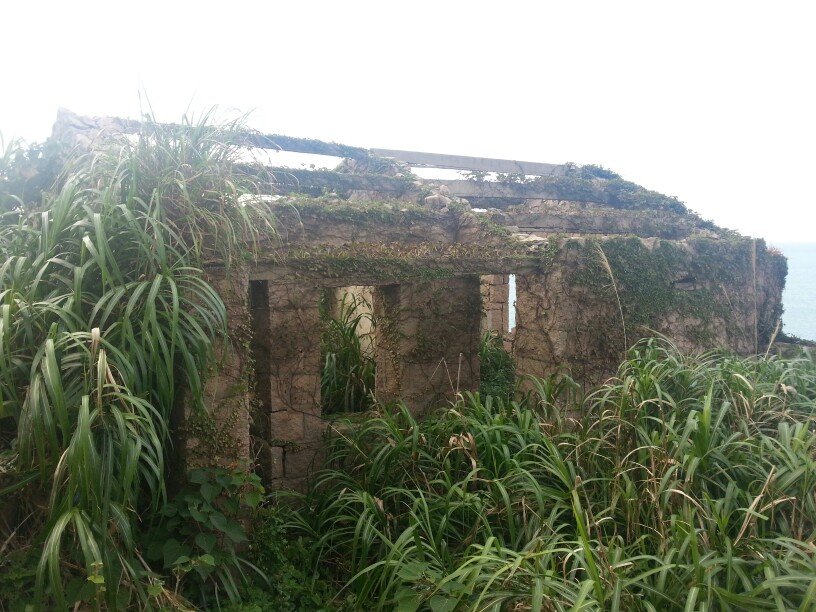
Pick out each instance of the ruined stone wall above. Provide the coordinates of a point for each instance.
(495, 294)
(427, 343)
(287, 425)
(219, 434)
(586, 218)
(581, 303)
(700, 293)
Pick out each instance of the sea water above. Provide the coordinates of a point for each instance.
(799, 297)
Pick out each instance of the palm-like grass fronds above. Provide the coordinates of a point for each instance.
(104, 318)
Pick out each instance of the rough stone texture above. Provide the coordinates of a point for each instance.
(428, 341)
(495, 291)
(287, 428)
(570, 317)
(294, 370)
(220, 434)
(585, 218)
(701, 292)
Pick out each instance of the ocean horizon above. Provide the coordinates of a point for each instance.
(799, 297)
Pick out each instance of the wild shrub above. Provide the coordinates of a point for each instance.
(199, 537)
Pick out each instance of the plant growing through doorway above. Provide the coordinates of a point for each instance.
(497, 372)
(348, 367)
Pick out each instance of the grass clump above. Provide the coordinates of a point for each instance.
(497, 372)
(686, 483)
(348, 368)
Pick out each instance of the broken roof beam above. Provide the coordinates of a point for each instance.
(525, 191)
(279, 142)
(477, 164)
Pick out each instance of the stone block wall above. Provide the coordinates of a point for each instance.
(218, 433)
(427, 341)
(580, 307)
(700, 293)
(495, 292)
(287, 425)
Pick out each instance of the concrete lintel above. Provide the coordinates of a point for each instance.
(464, 162)
(280, 273)
(528, 191)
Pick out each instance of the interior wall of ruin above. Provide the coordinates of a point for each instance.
(495, 295)
(427, 341)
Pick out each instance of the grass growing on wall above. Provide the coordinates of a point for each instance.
(687, 484)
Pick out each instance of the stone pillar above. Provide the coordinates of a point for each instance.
(288, 359)
(427, 343)
(218, 435)
(495, 292)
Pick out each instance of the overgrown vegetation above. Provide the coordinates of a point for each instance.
(105, 321)
(686, 483)
(348, 368)
(497, 370)
(592, 183)
(683, 483)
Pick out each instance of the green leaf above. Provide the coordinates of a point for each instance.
(407, 600)
(210, 491)
(413, 571)
(198, 516)
(235, 532)
(440, 603)
(205, 541)
(172, 550)
(219, 521)
(207, 560)
(252, 499)
(199, 476)
(452, 587)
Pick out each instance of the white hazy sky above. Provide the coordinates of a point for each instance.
(713, 102)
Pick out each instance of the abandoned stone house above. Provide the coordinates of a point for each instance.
(595, 262)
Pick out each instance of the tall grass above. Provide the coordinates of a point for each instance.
(104, 318)
(349, 368)
(497, 371)
(686, 484)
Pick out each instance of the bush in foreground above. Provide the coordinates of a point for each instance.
(687, 484)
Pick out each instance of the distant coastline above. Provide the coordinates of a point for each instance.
(799, 297)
